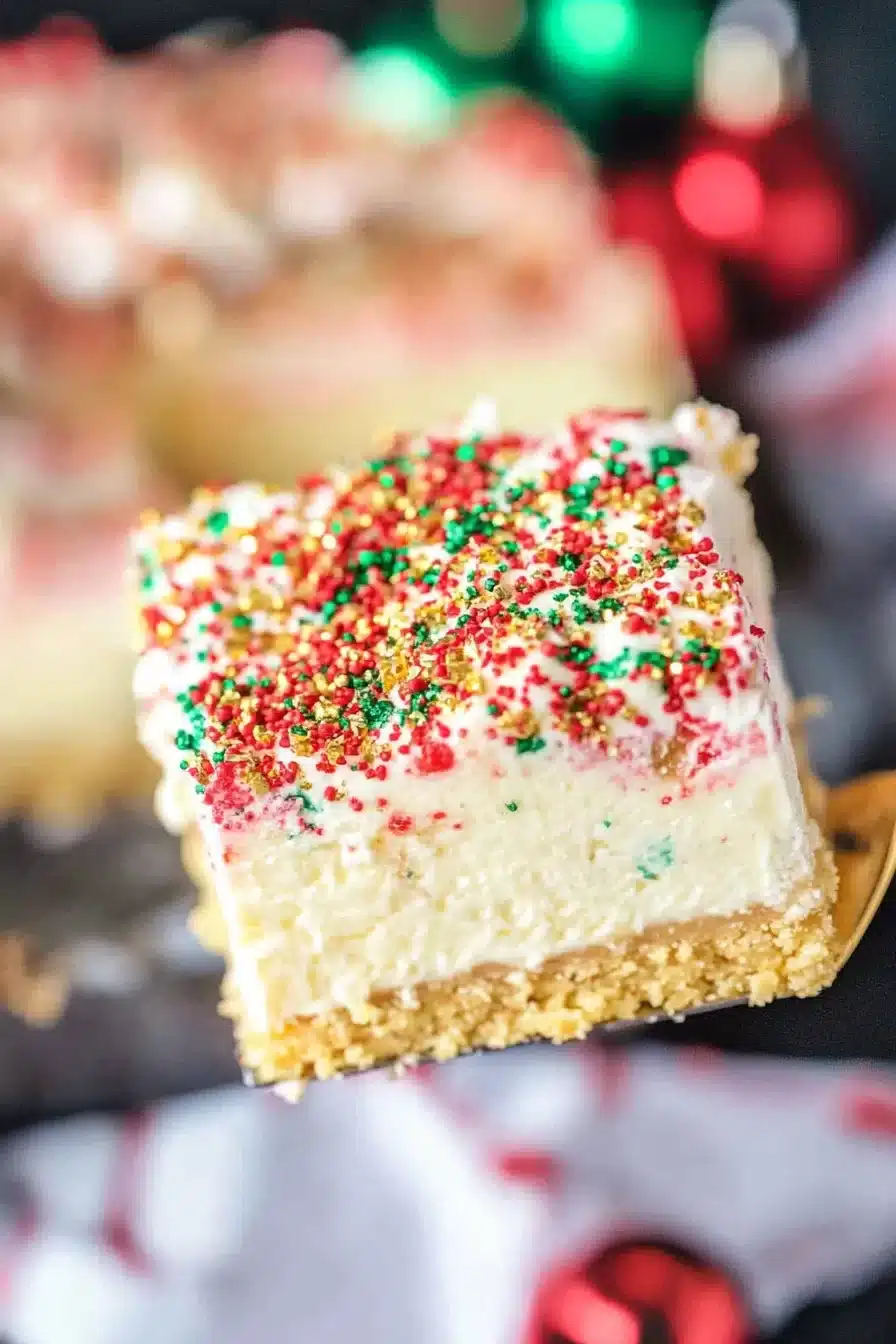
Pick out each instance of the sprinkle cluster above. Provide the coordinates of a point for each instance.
(528, 590)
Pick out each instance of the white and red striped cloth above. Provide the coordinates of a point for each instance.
(434, 1208)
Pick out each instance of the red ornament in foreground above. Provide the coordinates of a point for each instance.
(638, 1293)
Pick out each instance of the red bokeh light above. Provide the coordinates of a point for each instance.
(720, 196)
(806, 234)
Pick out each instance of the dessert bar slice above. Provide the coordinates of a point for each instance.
(484, 742)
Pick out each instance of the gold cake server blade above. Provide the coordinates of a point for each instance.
(860, 823)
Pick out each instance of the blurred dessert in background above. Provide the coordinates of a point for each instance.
(71, 486)
(227, 237)
(408, 277)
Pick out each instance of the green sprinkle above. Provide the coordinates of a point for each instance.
(566, 692)
(665, 480)
(617, 468)
(664, 456)
(466, 452)
(524, 745)
(278, 557)
(218, 521)
(512, 807)
(614, 668)
(376, 712)
(218, 756)
(658, 858)
(570, 561)
(242, 622)
(652, 659)
(387, 480)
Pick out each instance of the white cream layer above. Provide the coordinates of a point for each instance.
(531, 861)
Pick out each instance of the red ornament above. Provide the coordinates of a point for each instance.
(643, 210)
(634, 1292)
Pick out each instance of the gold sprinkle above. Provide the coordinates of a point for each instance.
(171, 551)
(667, 756)
(257, 782)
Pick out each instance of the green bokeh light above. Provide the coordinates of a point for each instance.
(402, 90)
(588, 38)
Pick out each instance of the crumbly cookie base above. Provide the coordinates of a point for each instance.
(758, 956)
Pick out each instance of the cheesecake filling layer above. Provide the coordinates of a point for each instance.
(520, 866)
(489, 700)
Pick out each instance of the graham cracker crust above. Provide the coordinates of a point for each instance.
(759, 956)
